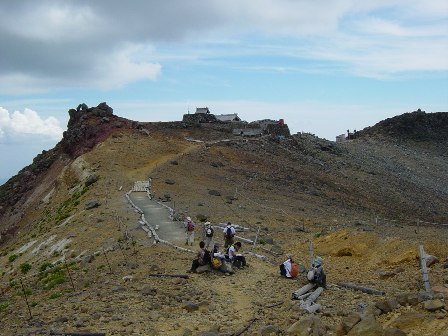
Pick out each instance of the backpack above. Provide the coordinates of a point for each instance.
(206, 258)
(190, 226)
(216, 263)
(209, 232)
(229, 233)
(294, 270)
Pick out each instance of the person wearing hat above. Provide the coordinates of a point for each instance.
(189, 231)
(289, 269)
(316, 274)
(208, 235)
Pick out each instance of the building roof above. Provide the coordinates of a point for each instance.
(202, 110)
(228, 117)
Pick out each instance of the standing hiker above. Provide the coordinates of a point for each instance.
(208, 236)
(189, 231)
(229, 233)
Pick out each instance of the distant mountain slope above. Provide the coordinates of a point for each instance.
(417, 125)
(373, 175)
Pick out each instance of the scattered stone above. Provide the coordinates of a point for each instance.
(431, 260)
(386, 305)
(91, 180)
(347, 323)
(149, 291)
(88, 259)
(61, 319)
(131, 265)
(190, 307)
(409, 321)
(394, 332)
(118, 289)
(214, 192)
(170, 181)
(269, 330)
(216, 164)
(440, 290)
(310, 325)
(92, 204)
(367, 326)
(433, 305)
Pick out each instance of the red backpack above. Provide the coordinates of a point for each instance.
(190, 226)
(294, 270)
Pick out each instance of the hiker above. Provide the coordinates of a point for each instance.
(289, 269)
(219, 261)
(208, 235)
(237, 259)
(189, 231)
(202, 258)
(316, 274)
(229, 233)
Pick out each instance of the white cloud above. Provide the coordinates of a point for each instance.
(120, 69)
(28, 122)
(52, 21)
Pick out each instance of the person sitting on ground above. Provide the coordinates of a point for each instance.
(208, 235)
(202, 257)
(189, 231)
(316, 274)
(229, 234)
(289, 269)
(237, 259)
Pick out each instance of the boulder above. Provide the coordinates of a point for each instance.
(409, 321)
(214, 192)
(433, 305)
(310, 325)
(91, 179)
(170, 181)
(368, 326)
(268, 330)
(92, 204)
(190, 306)
(347, 323)
(394, 332)
(431, 260)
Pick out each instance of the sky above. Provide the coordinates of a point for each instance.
(322, 66)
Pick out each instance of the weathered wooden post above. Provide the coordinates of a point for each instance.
(107, 260)
(424, 269)
(26, 298)
(311, 253)
(69, 275)
(256, 238)
(418, 226)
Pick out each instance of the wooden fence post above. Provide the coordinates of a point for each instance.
(256, 238)
(424, 268)
(311, 252)
(26, 298)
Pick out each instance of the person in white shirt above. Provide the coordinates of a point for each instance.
(229, 234)
(286, 267)
(237, 259)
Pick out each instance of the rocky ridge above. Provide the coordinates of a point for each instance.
(292, 191)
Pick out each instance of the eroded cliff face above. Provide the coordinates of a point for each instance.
(87, 127)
